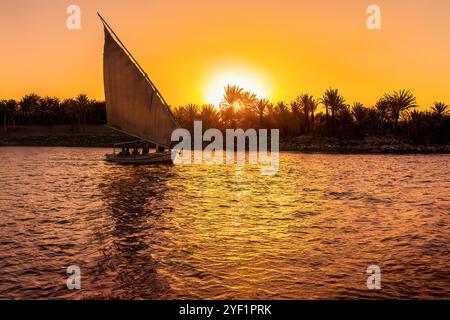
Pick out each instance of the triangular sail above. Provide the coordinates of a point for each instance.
(133, 103)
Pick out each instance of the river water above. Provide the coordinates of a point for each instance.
(223, 232)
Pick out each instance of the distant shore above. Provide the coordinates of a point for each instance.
(367, 145)
(62, 136)
(101, 136)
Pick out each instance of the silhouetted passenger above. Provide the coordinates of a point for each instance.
(160, 149)
(145, 150)
(122, 153)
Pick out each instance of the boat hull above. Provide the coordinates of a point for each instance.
(154, 158)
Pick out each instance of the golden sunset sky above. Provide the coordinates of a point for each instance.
(192, 48)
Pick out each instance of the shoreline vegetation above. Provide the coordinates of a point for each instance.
(328, 124)
(100, 136)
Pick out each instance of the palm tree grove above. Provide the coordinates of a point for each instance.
(395, 114)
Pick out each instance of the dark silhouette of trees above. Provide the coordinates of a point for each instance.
(313, 105)
(382, 112)
(247, 111)
(230, 103)
(48, 111)
(9, 110)
(302, 108)
(393, 114)
(70, 110)
(308, 106)
(49, 108)
(261, 106)
(283, 118)
(398, 102)
(30, 107)
(82, 103)
(334, 102)
(440, 109)
(12, 107)
(4, 113)
(360, 113)
(209, 116)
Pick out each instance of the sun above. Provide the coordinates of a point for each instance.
(247, 79)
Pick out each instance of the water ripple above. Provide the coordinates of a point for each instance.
(219, 232)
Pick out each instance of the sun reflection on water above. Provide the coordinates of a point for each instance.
(214, 231)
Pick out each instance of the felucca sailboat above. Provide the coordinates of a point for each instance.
(134, 106)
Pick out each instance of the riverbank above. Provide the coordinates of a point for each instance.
(101, 136)
(367, 145)
(62, 136)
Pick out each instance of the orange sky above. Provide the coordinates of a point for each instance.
(188, 47)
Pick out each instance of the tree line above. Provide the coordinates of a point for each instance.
(394, 114)
(330, 115)
(33, 109)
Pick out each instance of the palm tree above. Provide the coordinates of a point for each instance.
(247, 115)
(298, 116)
(249, 100)
(30, 105)
(309, 106)
(314, 104)
(49, 108)
(333, 101)
(360, 113)
(270, 115)
(82, 102)
(283, 117)
(345, 117)
(325, 100)
(69, 107)
(304, 103)
(4, 111)
(192, 115)
(12, 108)
(232, 97)
(231, 101)
(440, 109)
(416, 120)
(382, 109)
(262, 106)
(180, 115)
(400, 101)
(209, 116)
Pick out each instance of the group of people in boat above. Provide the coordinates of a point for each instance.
(136, 150)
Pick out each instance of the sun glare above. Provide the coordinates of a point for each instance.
(248, 80)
